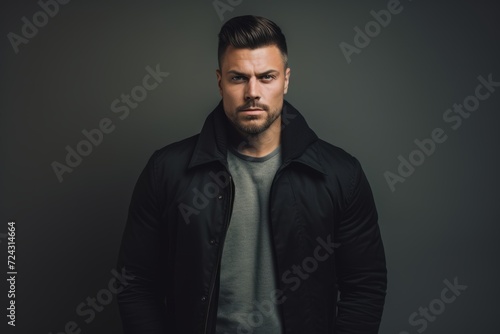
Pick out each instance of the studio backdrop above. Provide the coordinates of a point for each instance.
(90, 89)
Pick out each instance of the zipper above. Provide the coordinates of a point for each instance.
(219, 255)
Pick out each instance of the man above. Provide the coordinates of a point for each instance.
(254, 225)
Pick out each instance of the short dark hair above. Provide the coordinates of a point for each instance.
(251, 32)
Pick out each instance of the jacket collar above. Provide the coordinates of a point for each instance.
(296, 136)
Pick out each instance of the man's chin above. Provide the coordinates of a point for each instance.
(253, 124)
(253, 129)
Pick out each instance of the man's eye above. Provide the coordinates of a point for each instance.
(237, 78)
(267, 77)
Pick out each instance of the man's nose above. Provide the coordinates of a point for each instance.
(251, 92)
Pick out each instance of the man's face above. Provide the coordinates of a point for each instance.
(252, 84)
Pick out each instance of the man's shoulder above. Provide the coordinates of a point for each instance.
(178, 147)
(335, 156)
(176, 154)
(342, 168)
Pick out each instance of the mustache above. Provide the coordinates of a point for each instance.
(253, 104)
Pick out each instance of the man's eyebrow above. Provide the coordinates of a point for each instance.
(258, 74)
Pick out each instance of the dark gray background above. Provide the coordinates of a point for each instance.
(439, 224)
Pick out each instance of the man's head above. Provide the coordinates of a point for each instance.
(253, 73)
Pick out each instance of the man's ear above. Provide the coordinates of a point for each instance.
(219, 79)
(287, 79)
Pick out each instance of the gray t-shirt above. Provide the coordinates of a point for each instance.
(248, 278)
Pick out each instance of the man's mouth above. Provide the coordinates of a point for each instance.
(252, 111)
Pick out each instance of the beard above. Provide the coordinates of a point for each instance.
(253, 125)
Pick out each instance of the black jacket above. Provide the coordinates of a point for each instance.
(324, 228)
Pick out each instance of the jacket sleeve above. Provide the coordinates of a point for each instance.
(141, 298)
(360, 261)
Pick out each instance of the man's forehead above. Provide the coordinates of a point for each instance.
(264, 58)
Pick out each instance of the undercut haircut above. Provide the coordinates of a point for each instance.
(251, 32)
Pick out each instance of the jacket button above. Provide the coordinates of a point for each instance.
(219, 197)
(203, 298)
(212, 241)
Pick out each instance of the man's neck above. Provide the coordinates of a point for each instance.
(257, 145)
